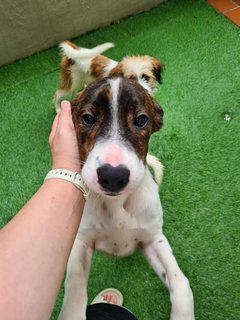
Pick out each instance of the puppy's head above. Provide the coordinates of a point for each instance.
(114, 119)
(146, 70)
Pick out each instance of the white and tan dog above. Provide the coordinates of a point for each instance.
(80, 66)
(114, 118)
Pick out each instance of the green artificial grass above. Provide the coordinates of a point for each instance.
(199, 149)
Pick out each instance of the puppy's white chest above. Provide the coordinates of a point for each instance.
(116, 231)
(119, 236)
(117, 242)
(113, 233)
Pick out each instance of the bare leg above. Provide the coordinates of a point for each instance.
(160, 256)
(75, 298)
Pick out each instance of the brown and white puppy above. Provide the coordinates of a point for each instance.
(114, 118)
(80, 66)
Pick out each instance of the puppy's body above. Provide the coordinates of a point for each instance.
(114, 119)
(75, 69)
(122, 224)
(80, 66)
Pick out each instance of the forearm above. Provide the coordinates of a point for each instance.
(50, 219)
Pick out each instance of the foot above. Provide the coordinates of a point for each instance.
(109, 295)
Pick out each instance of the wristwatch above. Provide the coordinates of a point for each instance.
(74, 177)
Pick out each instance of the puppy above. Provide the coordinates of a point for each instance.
(114, 118)
(80, 66)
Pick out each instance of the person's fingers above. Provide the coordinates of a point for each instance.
(54, 128)
(65, 117)
(62, 119)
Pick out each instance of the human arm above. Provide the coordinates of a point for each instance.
(36, 243)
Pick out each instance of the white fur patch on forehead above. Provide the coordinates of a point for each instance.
(114, 84)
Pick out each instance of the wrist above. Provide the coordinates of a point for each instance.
(69, 176)
(75, 167)
(64, 192)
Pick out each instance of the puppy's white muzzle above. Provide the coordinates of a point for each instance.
(112, 169)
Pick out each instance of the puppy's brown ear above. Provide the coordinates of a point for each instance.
(157, 69)
(73, 109)
(157, 117)
(74, 106)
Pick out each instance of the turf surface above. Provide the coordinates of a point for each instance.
(199, 149)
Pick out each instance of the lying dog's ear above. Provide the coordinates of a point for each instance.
(157, 117)
(157, 69)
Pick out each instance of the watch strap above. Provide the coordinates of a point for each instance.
(74, 177)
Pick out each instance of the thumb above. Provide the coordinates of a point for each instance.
(65, 117)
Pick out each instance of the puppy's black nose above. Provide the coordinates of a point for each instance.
(113, 179)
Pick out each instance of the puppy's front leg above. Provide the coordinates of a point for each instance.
(160, 256)
(75, 298)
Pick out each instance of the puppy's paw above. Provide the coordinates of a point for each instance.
(182, 317)
(71, 315)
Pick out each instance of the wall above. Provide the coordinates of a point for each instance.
(29, 26)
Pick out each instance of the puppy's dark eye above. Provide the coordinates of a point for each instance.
(140, 121)
(88, 119)
(145, 77)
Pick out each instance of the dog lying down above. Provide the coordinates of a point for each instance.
(80, 66)
(114, 118)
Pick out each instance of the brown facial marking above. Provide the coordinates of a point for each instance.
(94, 102)
(98, 65)
(134, 102)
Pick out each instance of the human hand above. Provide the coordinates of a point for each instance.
(63, 141)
